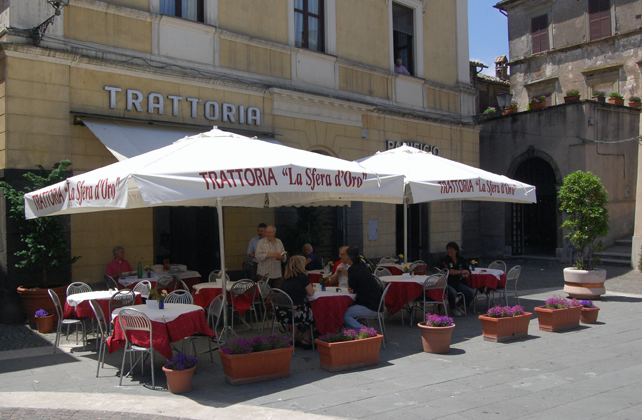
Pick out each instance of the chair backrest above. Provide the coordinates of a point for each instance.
(370, 265)
(243, 287)
(379, 282)
(278, 298)
(180, 296)
(214, 311)
(382, 272)
(436, 282)
(498, 265)
(120, 299)
(388, 260)
(100, 317)
(175, 272)
(56, 302)
(143, 287)
(180, 285)
(165, 281)
(247, 269)
(419, 267)
(133, 320)
(264, 289)
(217, 275)
(382, 302)
(110, 282)
(78, 287)
(514, 273)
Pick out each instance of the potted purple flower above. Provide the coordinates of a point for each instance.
(504, 323)
(436, 333)
(248, 360)
(349, 349)
(44, 320)
(179, 372)
(559, 314)
(589, 312)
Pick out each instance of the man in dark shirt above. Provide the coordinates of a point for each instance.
(362, 283)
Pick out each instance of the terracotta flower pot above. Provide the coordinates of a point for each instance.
(179, 381)
(509, 111)
(552, 320)
(34, 298)
(584, 284)
(504, 329)
(45, 324)
(635, 104)
(616, 101)
(589, 315)
(256, 367)
(538, 105)
(436, 339)
(346, 355)
(572, 98)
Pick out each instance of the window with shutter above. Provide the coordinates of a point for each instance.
(402, 36)
(309, 25)
(539, 34)
(599, 19)
(186, 9)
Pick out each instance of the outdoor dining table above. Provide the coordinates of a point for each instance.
(204, 294)
(174, 323)
(329, 307)
(486, 277)
(190, 278)
(405, 289)
(395, 269)
(77, 305)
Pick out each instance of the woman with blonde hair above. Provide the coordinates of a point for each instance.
(296, 284)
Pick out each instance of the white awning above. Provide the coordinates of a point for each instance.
(126, 139)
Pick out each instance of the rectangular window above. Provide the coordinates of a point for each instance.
(539, 34)
(599, 19)
(186, 9)
(403, 33)
(309, 25)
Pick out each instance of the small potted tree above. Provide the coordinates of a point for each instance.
(599, 95)
(179, 372)
(635, 102)
(584, 200)
(572, 95)
(616, 99)
(436, 333)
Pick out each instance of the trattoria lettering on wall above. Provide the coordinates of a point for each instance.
(154, 103)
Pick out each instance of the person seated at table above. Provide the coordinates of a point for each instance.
(457, 273)
(361, 282)
(119, 264)
(340, 269)
(312, 261)
(297, 285)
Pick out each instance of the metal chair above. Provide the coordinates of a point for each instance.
(498, 265)
(388, 260)
(78, 287)
(264, 293)
(180, 296)
(61, 322)
(214, 312)
(120, 299)
(382, 272)
(133, 320)
(103, 327)
(435, 282)
(419, 268)
(247, 269)
(381, 314)
(143, 287)
(244, 287)
(281, 300)
(111, 283)
(511, 279)
(164, 281)
(379, 282)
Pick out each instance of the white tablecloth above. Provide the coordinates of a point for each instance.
(78, 298)
(331, 291)
(400, 279)
(496, 273)
(129, 280)
(170, 313)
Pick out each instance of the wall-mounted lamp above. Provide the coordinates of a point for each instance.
(504, 99)
(38, 32)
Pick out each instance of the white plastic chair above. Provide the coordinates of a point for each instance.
(133, 320)
(180, 296)
(61, 322)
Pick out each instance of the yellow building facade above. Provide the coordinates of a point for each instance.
(244, 68)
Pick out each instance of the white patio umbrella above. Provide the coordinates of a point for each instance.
(215, 169)
(433, 178)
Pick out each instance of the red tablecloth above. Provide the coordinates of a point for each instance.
(329, 311)
(314, 278)
(393, 269)
(401, 293)
(163, 334)
(83, 309)
(203, 297)
(478, 280)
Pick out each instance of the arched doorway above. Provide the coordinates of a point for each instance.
(534, 226)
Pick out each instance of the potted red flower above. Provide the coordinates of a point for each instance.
(436, 333)
(179, 372)
(503, 323)
(589, 312)
(349, 349)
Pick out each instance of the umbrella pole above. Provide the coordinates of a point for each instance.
(221, 238)
(405, 230)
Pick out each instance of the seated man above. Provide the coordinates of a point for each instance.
(340, 269)
(362, 283)
(119, 264)
(312, 261)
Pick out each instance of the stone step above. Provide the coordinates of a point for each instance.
(612, 261)
(624, 242)
(610, 254)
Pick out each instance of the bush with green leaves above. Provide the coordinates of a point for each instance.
(615, 95)
(584, 199)
(44, 244)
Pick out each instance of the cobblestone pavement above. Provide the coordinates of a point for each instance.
(16, 337)
(37, 414)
